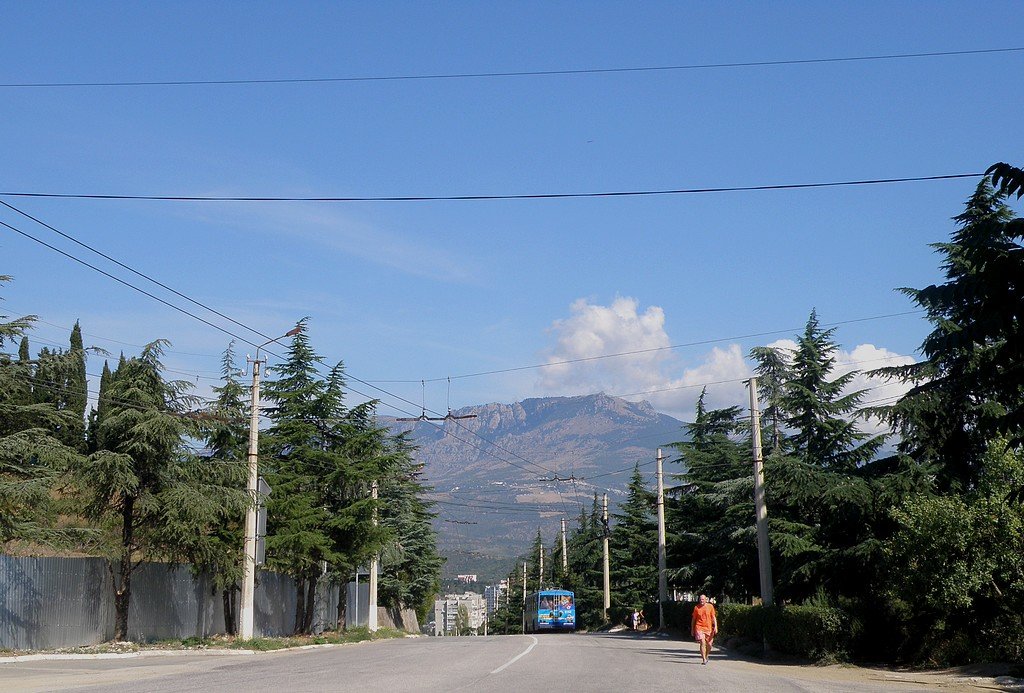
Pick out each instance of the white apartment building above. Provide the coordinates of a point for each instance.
(446, 612)
(493, 594)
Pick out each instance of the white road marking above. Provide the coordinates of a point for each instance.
(521, 654)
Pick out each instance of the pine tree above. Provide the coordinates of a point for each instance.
(969, 389)
(217, 548)
(586, 566)
(634, 546)
(823, 492)
(711, 522)
(411, 564)
(772, 375)
(321, 461)
(143, 480)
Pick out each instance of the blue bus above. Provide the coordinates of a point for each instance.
(550, 610)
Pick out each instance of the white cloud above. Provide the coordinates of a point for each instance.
(647, 370)
(651, 371)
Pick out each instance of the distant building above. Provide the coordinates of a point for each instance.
(446, 612)
(465, 578)
(493, 594)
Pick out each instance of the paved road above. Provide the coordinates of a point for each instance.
(523, 663)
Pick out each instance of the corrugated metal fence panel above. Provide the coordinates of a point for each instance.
(274, 604)
(167, 603)
(54, 602)
(66, 602)
(357, 604)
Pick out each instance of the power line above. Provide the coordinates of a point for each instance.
(515, 73)
(466, 198)
(219, 328)
(133, 271)
(125, 283)
(373, 381)
(116, 341)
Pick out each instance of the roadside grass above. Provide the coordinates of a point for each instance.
(224, 642)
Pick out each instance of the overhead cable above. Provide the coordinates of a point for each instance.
(480, 197)
(505, 74)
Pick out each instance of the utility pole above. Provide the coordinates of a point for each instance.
(764, 558)
(662, 576)
(371, 615)
(524, 596)
(565, 555)
(607, 575)
(540, 573)
(246, 610)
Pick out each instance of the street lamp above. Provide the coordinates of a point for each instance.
(246, 610)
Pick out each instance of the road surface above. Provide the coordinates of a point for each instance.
(512, 664)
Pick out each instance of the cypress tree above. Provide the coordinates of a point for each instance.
(77, 388)
(31, 459)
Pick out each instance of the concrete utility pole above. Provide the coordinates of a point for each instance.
(371, 615)
(662, 576)
(607, 574)
(524, 596)
(764, 558)
(565, 555)
(246, 610)
(540, 572)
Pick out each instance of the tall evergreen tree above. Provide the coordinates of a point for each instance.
(143, 479)
(712, 520)
(822, 505)
(586, 566)
(31, 458)
(321, 462)
(773, 372)
(969, 389)
(411, 564)
(77, 388)
(634, 546)
(99, 411)
(216, 547)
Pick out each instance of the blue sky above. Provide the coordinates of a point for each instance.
(425, 290)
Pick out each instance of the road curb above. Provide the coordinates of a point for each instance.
(213, 652)
(118, 655)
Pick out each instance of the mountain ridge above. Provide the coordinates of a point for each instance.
(514, 468)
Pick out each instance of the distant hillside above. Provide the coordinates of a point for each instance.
(509, 457)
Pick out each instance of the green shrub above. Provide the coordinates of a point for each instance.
(818, 632)
(677, 615)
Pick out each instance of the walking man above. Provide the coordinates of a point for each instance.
(704, 626)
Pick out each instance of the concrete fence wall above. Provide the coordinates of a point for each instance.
(68, 602)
